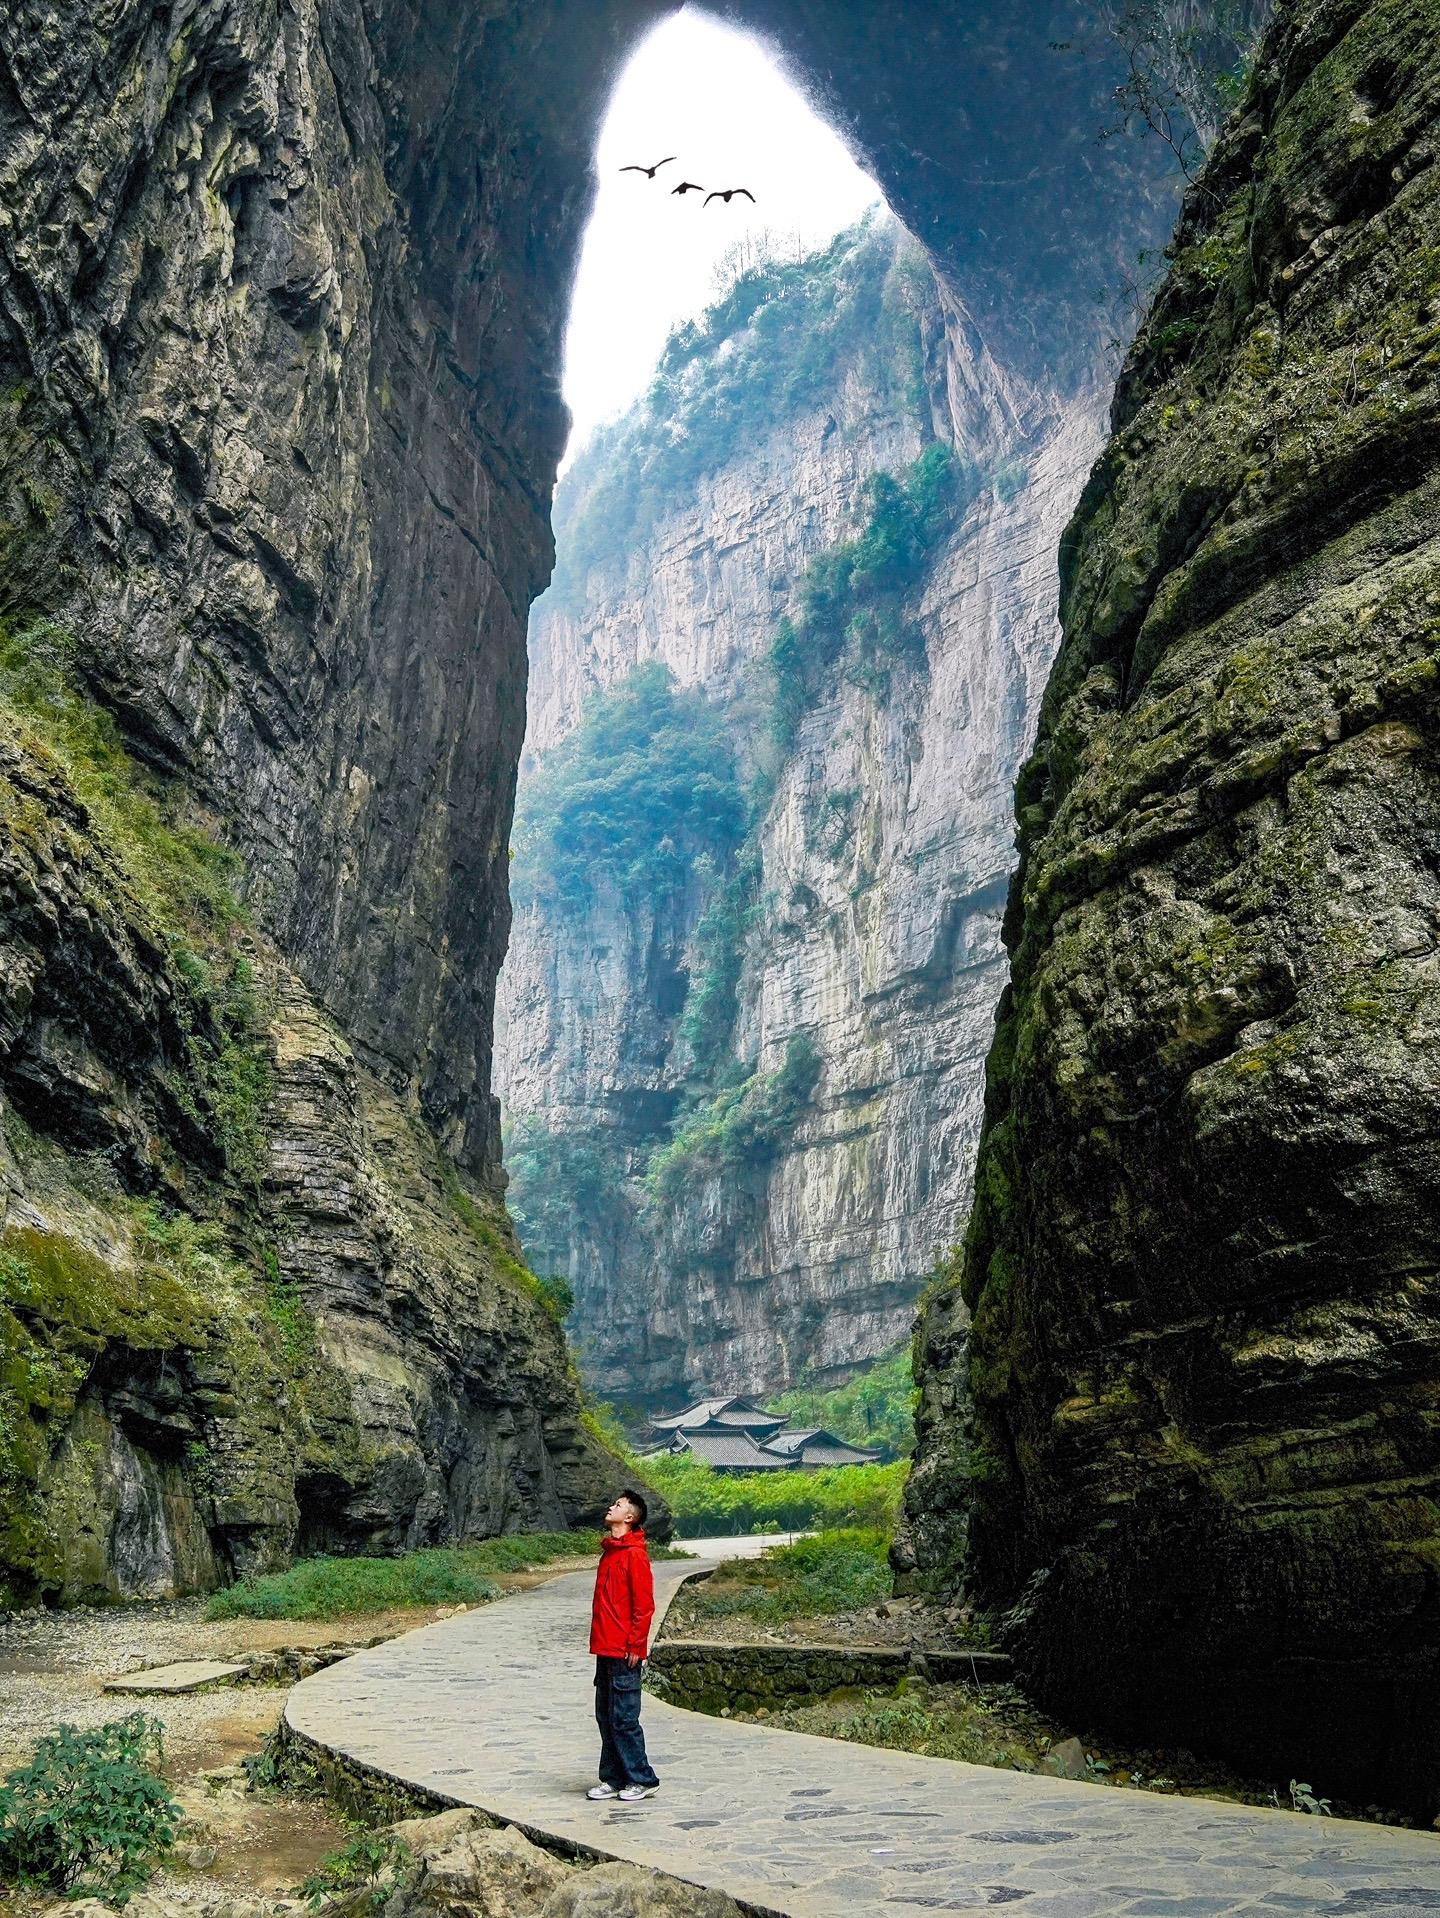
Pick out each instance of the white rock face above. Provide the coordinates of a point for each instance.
(886, 852)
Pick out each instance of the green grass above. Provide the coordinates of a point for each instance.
(348, 1587)
(838, 1571)
(993, 1726)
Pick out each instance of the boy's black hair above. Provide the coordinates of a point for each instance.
(640, 1506)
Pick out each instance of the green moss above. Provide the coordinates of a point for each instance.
(172, 881)
(493, 1233)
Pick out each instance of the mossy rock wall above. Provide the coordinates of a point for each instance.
(248, 1306)
(1203, 1467)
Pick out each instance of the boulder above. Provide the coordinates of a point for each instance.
(1065, 1760)
(468, 1868)
(624, 1891)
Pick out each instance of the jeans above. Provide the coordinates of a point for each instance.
(617, 1713)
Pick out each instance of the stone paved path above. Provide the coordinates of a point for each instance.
(494, 1708)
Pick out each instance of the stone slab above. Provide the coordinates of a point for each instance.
(494, 1708)
(187, 1675)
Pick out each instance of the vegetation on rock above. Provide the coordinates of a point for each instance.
(737, 1130)
(1211, 1101)
(851, 603)
(644, 786)
(785, 326)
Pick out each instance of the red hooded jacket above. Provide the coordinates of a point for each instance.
(624, 1598)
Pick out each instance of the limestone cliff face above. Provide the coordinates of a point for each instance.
(280, 298)
(882, 860)
(1203, 1462)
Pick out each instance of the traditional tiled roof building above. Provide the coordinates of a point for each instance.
(816, 1447)
(736, 1435)
(734, 1414)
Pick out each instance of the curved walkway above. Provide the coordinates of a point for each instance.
(494, 1708)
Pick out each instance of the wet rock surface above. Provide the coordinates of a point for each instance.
(1203, 1460)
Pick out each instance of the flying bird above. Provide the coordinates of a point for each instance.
(728, 194)
(686, 186)
(650, 171)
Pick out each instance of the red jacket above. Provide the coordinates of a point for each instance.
(624, 1598)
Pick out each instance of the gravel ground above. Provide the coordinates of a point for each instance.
(906, 1622)
(53, 1666)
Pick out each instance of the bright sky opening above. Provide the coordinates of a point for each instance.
(718, 100)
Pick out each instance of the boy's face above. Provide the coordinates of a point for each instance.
(622, 1512)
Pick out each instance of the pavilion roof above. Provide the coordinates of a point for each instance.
(735, 1450)
(816, 1446)
(737, 1413)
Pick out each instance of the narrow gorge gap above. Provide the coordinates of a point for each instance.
(764, 817)
(282, 295)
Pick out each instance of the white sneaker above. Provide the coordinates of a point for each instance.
(630, 1793)
(603, 1791)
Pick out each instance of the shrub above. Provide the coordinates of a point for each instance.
(742, 1126)
(782, 337)
(875, 1407)
(560, 1183)
(557, 1295)
(493, 1235)
(344, 1587)
(88, 1815)
(644, 785)
(851, 602)
(708, 1504)
(365, 1864)
(712, 1002)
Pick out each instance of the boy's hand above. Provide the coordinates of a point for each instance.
(632, 1659)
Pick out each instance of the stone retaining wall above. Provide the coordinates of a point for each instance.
(705, 1675)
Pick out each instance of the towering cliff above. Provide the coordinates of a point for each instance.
(276, 448)
(742, 1087)
(1202, 1464)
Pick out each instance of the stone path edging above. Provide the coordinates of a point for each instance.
(493, 1709)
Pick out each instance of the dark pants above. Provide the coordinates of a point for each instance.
(617, 1713)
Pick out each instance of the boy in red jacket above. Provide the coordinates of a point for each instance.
(620, 1637)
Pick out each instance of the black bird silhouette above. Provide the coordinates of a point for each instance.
(728, 194)
(650, 171)
(686, 186)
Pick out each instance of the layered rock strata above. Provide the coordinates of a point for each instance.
(281, 293)
(881, 865)
(1204, 1465)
